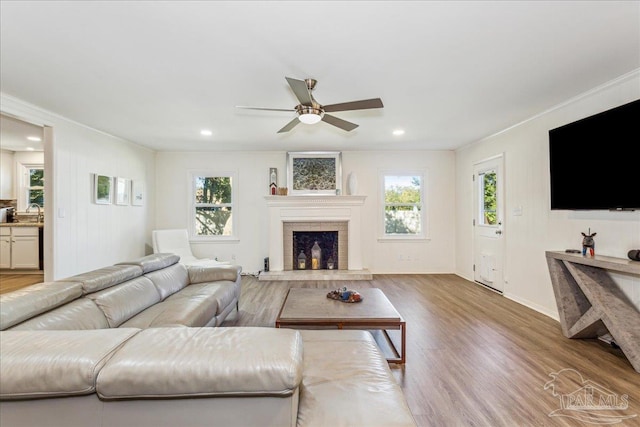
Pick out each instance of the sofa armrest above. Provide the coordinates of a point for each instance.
(202, 274)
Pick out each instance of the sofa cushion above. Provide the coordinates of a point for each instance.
(30, 301)
(105, 277)
(198, 310)
(181, 362)
(224, 292)
(82, 313)
(153, 262)
(200, 274)
(169, 280)
(121, 302)
(347, 382)
(55, 363)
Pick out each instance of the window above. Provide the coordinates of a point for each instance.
(403, 207)
(488, 204)
(212, 201)
(35, 187)
(31, 185)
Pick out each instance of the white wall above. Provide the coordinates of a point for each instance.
(80, 235)
(6, 174)
(433, 256)
(539, 229)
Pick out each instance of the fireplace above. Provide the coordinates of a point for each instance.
(339, 214)
(332, 237)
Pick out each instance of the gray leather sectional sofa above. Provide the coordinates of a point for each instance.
(135, 344)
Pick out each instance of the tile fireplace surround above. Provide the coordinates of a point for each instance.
(341, 213)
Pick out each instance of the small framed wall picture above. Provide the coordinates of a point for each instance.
(123, 188)
(102, 189)
(137, 192)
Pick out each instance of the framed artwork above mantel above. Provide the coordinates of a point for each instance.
(312, 173)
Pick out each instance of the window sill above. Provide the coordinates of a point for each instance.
(214, 239)
(403, 239)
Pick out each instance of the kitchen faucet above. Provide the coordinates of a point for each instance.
(39, 210)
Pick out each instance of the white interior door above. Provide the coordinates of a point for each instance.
(488, 222)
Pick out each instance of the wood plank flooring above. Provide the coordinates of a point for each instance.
(474, 357)
(14, 281)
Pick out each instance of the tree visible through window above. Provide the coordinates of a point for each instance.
(489, 201)
(213, 205)
(35, 187)
(403, 205)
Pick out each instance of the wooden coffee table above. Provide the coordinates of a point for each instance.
(310, 308)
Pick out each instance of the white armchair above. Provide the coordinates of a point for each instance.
(176, 241)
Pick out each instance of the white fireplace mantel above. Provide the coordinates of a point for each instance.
(314, 208)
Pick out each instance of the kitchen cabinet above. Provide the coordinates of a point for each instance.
(5, 247)
(19, 247)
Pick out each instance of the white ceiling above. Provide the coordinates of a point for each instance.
(449, 73)
(14, 134)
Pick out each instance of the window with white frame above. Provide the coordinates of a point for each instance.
(32, 190)
(403, 205)
(213, 205)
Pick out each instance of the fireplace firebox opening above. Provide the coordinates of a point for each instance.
(332, 238)
(303, 242)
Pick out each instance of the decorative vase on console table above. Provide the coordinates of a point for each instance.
(352, 184)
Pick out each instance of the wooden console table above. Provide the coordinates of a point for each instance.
(590, 303)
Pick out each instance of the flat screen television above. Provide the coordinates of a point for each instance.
(594, 162)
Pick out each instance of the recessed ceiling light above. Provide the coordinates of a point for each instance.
(206, 132)
(34, 138)
(398, 132)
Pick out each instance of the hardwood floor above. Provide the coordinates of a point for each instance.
(11, 282)
(474, 357)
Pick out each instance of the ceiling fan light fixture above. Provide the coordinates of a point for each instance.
(308, 114)
(309, 118)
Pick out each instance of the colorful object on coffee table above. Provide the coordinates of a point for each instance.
(345, 295)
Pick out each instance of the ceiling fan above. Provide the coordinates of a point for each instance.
(310, 111)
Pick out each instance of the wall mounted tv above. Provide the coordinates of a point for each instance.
(594, 162)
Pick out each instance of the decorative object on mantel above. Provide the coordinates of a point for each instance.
(634, 254)
(312, 173)
(352, 184)
(273, 181)
(345, 295)
(282, 191)
(588, 242)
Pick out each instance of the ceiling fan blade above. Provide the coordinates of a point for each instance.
(342, 124)
(365, 104)
(265, 109)
(301, 91)
(289, 125)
